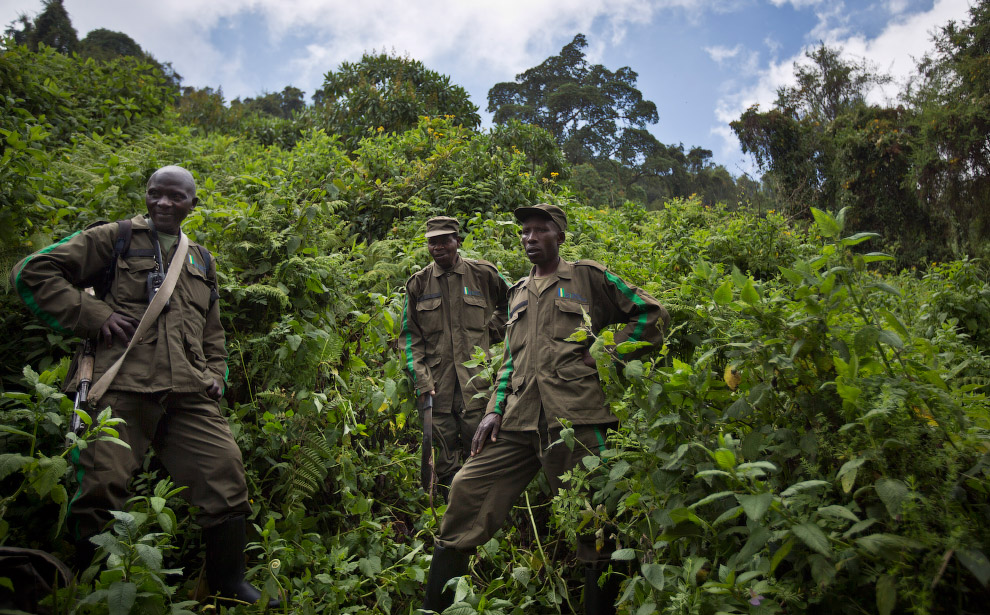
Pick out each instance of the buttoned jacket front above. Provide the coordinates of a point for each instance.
(447, 314)
(540, 367)
(182, 352)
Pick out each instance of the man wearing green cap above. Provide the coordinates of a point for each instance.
(544, 377)
(452, 305)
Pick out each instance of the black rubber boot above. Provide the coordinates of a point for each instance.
(225, 562)
(83, 558)
(447, 564)
(600, 600)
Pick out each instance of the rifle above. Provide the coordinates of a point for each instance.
(86, 360)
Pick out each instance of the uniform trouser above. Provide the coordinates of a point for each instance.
(191, 438)
(452, 434)
(486, 488)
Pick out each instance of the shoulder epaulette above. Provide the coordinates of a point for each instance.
(590, 263)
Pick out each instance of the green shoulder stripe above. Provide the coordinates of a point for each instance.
(637, 334)
(28, 297)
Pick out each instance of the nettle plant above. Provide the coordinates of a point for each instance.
(816, 453)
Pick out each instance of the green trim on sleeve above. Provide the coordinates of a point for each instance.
(410, 365)
(601, 439)
(28, 297)
(641, 321)
(501, 392)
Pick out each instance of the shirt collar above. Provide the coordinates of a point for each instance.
(460, 267)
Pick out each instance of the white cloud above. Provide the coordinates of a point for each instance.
(893, 51)
(720, 54)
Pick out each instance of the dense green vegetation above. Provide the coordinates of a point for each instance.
(813, 437)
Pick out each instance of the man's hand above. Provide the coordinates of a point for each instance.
(215, 390)
(588, 359)
(118, 325)
(488, 429)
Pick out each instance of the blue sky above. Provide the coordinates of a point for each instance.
(702, 62)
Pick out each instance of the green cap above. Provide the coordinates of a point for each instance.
(442, 225)
(544, 210)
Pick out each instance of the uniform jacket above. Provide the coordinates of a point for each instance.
(472, 298)
(541, 367)
(184, 350)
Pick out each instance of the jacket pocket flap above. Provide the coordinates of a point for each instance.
(571, 306)
(429, 304)
(478, 300)
(576, 371)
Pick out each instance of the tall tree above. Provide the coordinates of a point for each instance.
(585, 106)
(102, 44)
(392, 93)
(600, 121)
(52, 27)
(792, 142)
(951, 155)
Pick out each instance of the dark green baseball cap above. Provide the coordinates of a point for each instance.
(442, 225)
(544, 210)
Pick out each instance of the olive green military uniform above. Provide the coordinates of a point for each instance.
(447, 314)
(160, 389)
(544, 378)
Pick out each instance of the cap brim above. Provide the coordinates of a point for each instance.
(521, 213)
(429, 234)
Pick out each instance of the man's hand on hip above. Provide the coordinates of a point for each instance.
(487, 430)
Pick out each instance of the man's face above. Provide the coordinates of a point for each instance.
(443, 249)
(171, 196)
(541, 239)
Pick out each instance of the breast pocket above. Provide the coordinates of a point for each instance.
(475, 313)
(197, 287)
(568, 317)
(130, 285)
(430, 319)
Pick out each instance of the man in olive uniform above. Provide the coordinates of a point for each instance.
(543, 378)
(169, 386)
(452, 305)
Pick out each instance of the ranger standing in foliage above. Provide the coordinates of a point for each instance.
(452, 305)
(544, 378)
(168, 387)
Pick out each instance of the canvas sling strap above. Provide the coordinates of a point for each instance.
(149, 318)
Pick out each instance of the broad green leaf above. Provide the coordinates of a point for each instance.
(725, 458)
(976, 562)
(886, 594)
(624, 554)
(749, 293)
(522, 575)
(812, 535)
(836, 510)
(723, 295)
(875, 543)
(858, 238)
(653, 573)
(801, 486)
(634, 370)
(120, 597)
(827, 225)
(12, 462)
(891, 339)
(892, 493)
(755, 505)
(711, 497)
(781, 553)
